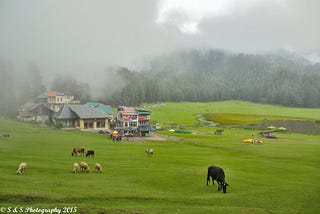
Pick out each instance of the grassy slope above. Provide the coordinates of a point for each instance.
(184, 112)
(280, 176)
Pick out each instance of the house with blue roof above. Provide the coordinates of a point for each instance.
(101, 107)
(107, 110)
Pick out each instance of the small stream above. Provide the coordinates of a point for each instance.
(207, 123)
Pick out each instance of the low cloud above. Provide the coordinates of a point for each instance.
(76, 37)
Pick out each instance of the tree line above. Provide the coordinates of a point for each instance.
(206, 76)
(194, 75)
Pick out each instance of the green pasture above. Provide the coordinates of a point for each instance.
(280, 176)
(185, 112)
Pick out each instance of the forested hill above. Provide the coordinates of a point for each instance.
(203, 76)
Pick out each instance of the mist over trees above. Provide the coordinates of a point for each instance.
(7, 92)
(205, 76)
(193, 75)
(71, 86)
(16, 88)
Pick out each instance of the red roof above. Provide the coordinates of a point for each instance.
(52, 94)
(128, 110)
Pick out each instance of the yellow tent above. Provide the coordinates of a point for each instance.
(252, 141)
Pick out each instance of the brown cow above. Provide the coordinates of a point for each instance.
(78, 149)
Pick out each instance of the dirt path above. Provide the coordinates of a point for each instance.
(154, 137)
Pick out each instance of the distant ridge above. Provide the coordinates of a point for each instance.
(215, 75)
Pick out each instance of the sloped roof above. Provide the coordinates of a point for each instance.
(143, 112)
(54, 94)
(65, 113)
(101, 107)
(87, 112)
(79, 111)
(42, 96)
(128, 110)
(29, 106)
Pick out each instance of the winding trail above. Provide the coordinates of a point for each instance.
(208, 123)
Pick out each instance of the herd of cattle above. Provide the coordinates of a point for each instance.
(84, 167)
(214, 172)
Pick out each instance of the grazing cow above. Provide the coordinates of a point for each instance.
(6, 135)
(78, 149)
(149, 152)
(90, 153)
(216, 173)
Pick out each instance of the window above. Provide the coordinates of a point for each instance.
(100, 124)
(134, 117)
(88, 124)
(142, 122)
(132, 124)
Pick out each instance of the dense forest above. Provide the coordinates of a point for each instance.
(193, 75)
(204, 76)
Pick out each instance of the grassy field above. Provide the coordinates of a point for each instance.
(176, 112)
(280, 176)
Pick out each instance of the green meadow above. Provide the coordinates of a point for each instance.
(280, 176)
(185, 112)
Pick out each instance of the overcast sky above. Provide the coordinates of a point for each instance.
(70, 35)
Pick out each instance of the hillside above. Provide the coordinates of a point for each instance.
(184, 76)
(211, 75)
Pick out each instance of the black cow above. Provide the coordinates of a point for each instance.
(216, 173)
(90, 153)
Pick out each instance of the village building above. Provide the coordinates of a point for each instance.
(82, 117)
(42, 98)
(143, 121)
(132, 122)
(127, 121)
(33, 111)
(101, 107)
(44, 106)
(106, 110)
(56, 100)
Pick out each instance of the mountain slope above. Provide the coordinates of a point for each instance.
(211, 75)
